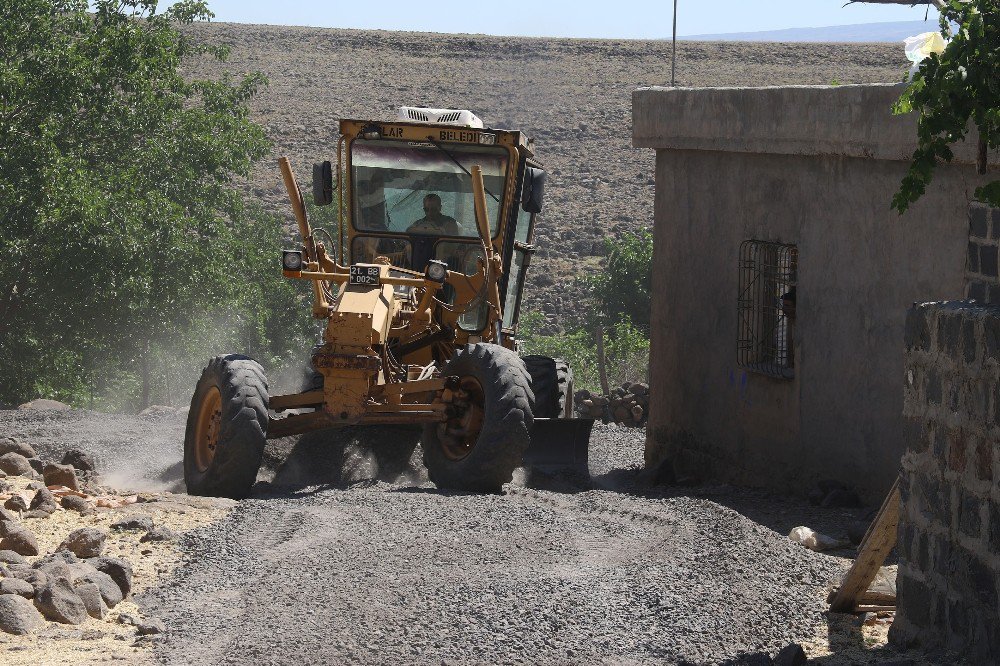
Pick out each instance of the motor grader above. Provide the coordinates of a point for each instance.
(418, 288)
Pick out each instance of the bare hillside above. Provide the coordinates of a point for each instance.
(572, 95)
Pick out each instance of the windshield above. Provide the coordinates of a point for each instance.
(417, 188)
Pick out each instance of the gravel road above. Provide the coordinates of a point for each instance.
(376, 572)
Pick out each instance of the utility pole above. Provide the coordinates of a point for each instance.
(673, 57)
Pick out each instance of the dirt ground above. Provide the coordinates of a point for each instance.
(326, 563)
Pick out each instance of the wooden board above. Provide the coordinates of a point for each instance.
(875, 547)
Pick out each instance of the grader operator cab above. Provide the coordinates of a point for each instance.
(419, 288)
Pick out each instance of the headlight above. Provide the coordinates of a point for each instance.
(291, 260)
(437, 271)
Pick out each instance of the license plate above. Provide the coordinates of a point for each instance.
(365, 275)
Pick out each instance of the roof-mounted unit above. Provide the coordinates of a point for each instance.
(459, 117)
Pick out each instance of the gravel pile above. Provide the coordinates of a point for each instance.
(375, 572)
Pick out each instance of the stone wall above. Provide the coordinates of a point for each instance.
(949, 534)
(981, 269)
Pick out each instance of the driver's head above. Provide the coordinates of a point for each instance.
(432, 206)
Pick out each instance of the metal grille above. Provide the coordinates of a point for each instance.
(766, 308)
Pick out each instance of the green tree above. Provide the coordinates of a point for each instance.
(952, 90)
(623, 288)
(122, 225)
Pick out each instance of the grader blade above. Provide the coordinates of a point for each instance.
(559, 445)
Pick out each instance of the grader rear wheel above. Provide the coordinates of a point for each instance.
(484, 441)
(225, 436)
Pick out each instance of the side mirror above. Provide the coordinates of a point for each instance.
(322, 183)
(533, 190)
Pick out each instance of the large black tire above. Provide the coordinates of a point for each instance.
(231, 402)
(506, 402)
(552, 384)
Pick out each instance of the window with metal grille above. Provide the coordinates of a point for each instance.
(768, 274)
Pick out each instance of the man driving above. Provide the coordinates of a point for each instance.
(433, 222)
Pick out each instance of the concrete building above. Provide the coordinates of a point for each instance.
(782, 278)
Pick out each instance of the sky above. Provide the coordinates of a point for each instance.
(623, 19)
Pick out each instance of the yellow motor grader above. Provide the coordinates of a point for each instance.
(419, 287)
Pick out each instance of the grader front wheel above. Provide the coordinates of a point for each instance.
(484, 441)
(225, 436)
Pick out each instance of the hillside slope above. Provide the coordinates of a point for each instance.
(572, 95)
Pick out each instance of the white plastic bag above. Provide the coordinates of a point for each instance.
(920, 46)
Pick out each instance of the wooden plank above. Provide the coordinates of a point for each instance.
(875, 547)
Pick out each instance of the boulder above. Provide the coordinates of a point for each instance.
(19, 540)
(78, 504)
(81, 570)
(60, 475)
(791, 655)
(60, 557)
(59, 602)
(85, 542)
(37, 464)
(133, 522)
(10, 557)
(22, 588)
(36, 513)
(159, 533)
(11, 445)
(15, 464)
(118, 569)
(90, 594)
(150, 626)
(45, 404)
(7, 517)
(44, 501)
(18, 616)
(80, 460)
(110, 592)
(16, 503)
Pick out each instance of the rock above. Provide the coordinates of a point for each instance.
(59, 602)
(16, 503)
(80, 460)
(18, 616)
(90, 594)
(84, 542)
(118, 569)
(44, 501)
(36, 513)
(19, 540)
(7, 517)
(78, 504)
(150, 626)
(790, 655)
(133, 522)
(37, 464)
(15, 464)
(814, 540)
(59, 557)
(60, 475)
(10, 557)
(110, 592)
(159, 533)
(17, 586)
(128, 619)
(35, 485)
(81, 570)
(11, 445)
(45, 404)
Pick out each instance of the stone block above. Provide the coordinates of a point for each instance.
(977, 291)
(933, 386)
(996, 223)
(984, 460)
(949, 333)
(913, 600)
(981, 580)
(973, 262)
(988, 261)
(944, 561)
(956, 450)
(969, 520)
(970, 347)
(979, 221)
(993, 293)
(917, 333)
(991, 337)
(993, 529)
